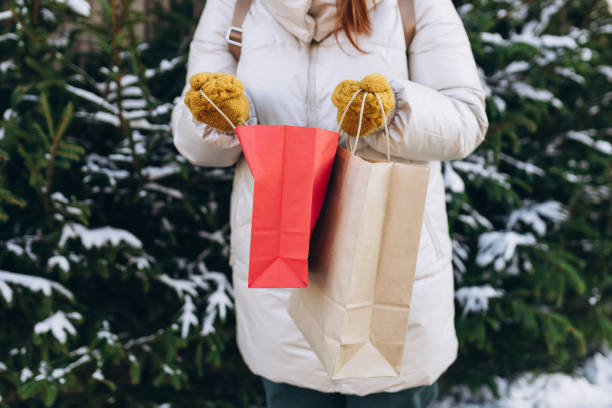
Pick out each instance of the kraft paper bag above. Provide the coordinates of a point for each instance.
(354, 312)
(291, 166)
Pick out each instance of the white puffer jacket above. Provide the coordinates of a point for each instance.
(290, 65)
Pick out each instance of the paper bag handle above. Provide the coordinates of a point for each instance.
(382, 109)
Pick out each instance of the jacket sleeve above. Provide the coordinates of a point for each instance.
(197, 142)
(440, 112)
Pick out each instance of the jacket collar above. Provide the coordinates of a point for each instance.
(307, 19)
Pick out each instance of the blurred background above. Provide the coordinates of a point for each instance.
(115, 289)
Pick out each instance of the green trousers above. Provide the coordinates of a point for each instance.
(280, 395)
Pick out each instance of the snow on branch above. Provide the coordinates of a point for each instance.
(98, 237)
(59, 260)
(164, 65)
(187, 317)
(460, 255)
(216, 236)
(605, 70)
(13, 246)
(208, 326)
(6, 292)
(109, 118)
(571, 74)
(142, 261)
(452, 180)
(101, 117)
(181, 286)
(474, 219)
(94, 163)
(106, 334)
(81, 7)
(154, 173)
(172, 192)
(586, 137)
(475, 166)
(536, 27)
(57, 373)
(144, 124)
(132, 109)
(33, 283)
(476, 298)
(524, 90)
(92, 97)
(534, 215)
(526, 167)
(500, 247)
(532, 31)
(58, 324)
(6, 15)
(218, 302)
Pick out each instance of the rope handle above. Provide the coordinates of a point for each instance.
(382, 109)
(219, 110)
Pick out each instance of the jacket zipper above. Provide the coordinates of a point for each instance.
(311, 92)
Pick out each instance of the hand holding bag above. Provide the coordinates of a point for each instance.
(354, 312)
(291, 166)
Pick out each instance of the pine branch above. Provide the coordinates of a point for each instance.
(27, 30)
(56, 136)
(11, 198)
(47, 114)
(35, 13)
(124, 125)
(136, 60)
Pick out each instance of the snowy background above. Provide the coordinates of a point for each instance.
(590, 386)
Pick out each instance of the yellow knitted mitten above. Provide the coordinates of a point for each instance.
(226, 91)
(372, 116)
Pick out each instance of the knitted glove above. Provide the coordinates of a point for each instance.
(226, 91)
(372, 116)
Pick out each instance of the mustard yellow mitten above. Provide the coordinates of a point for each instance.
(226, 91)
(372, 116)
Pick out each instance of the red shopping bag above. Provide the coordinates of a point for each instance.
(291, 166)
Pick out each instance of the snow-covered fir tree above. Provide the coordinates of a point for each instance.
(113, 263)
(530, 210)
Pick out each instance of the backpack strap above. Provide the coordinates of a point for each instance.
(406, 8)
(234, 32)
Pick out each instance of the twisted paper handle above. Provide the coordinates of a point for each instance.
(382, 109)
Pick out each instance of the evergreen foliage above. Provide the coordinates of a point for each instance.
(114, 284)
(530, 211)
(114, 276)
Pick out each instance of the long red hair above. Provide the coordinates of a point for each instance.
(352, 17)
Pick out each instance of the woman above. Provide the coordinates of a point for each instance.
(297, 56)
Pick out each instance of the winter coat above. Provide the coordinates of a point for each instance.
(290, 65)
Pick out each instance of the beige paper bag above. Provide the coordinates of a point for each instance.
(354, 311)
